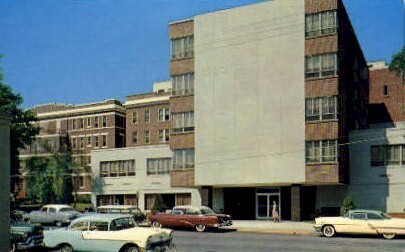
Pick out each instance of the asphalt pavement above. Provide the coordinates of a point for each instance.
(268, 226)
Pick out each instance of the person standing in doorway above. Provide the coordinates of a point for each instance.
(274, 212)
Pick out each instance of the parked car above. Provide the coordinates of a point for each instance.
(135, 211)
(53, 214)
(25, 236)
(198, 217)
(368, 222)
(17, 215)
(109, 232)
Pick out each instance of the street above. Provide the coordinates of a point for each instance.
(188, 241)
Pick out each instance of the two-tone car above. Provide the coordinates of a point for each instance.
(197, 217)
(25, 236)
(360, 221)
(135, 211)
(109, 232)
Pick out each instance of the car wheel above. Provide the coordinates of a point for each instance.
(65, 248)
(200, 227)
(58, 223)
(388, 235)
(13, 247)
(328, 231)
(156, 224)
(131, 248)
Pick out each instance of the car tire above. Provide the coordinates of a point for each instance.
(156, 224)
(65, 248)
(388, 236)
(13, 247)
(130, 248)
(200, 227)
(328, 231)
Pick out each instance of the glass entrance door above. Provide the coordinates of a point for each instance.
(264, 203)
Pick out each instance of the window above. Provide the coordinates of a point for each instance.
(95, 140)
(96, 122)
(382, 155)
(88, 122)
(135, 137)
(182, 47)
(88, 141)
(321, 23)
(81, 123)
(73, 124)
(183, 159)
(104, 121)
(359, 216)
(183, 84)
(373, 216)
(147, 136)
(81, 226)
(163, 114)
(74, 145)
(320, 108)
(81, 182)
(324, 151)
(183, 122)
(119, 168)
(147, 116)
(104, 140)
(385, 90)
(164, 136)
(157, 166)
(134, 117)
(321, 65)
(81, 142)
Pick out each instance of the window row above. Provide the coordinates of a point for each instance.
(183, 84)
(88, 122)
(95, 141)
(323, 151)
(82, 160)
(322, 65)
(162, 116)
(382, 155)
(182, 47)
(163, 136)
(183, 159)
(183, 122)
(321, 23)
(321, 108)
(119, 168)
(157, 166)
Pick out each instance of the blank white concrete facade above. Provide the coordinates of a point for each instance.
(141, 183)
(377, 187)
(249, 95)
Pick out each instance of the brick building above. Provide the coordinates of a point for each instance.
(262, 104)
(81, 128)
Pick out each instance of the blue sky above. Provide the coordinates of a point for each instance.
(76, 52)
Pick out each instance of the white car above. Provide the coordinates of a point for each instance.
(56, 214)
(109, 232)
(366, 222)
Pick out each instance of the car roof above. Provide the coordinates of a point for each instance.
(117, 207)
(101, 217)
(57, 206)
(190, 207)
(365, 211)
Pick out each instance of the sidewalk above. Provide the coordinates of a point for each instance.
(267, 226)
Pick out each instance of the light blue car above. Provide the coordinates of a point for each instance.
(108, 233)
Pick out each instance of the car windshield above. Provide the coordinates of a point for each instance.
(122, 223)
(206, 210)
(66, 209)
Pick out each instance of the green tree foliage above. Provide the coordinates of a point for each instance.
(22, 130)
(49, 179)
(397, 64)
(159, 205)
(348, 204)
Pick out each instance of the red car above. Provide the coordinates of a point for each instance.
(198, 217)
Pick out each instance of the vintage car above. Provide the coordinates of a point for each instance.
(53, 214)
(109, 232)
(366, 222)
(198, 217)
(25, 236)
(135, 211)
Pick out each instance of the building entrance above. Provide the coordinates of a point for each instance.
(264, 202)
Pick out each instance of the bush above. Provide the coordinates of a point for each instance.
(348, 204)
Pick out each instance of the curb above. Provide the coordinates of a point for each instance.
(268, 231)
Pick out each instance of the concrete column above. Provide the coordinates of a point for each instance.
(4, 183)
(295, 203)
(141, 200)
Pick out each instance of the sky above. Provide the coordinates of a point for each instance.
(75, 52)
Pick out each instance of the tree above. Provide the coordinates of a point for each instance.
(397, 64)
(348, 204)
(22, 129)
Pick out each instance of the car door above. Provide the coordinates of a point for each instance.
(374, 221)
(358, 224)
(76, 235)
(50, 216)
(97, 236)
